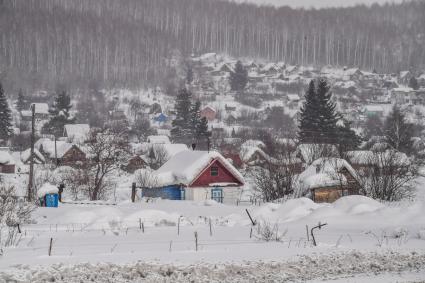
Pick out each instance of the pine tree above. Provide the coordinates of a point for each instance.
(60, 115)
(398, 132)
(202, 130)
(5, 117)
(180, 131)
(308, 123)
(327, 115)
(318, 118)
(189, 75)
(20, 103)
(347, 138)
(195, 119)
(239, 78)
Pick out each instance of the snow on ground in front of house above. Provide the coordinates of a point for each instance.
(114, 234)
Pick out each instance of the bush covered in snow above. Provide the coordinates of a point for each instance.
(12, 213)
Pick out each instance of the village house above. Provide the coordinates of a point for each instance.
(7, 162)
(402, 95)
(209, 113)
(373, 111)
(308, 152)
(197, 176)
(41, 115)
(76, 133)
(136, 162)
(61, 153)
(38, 158)
(158, 139)
(328, 179)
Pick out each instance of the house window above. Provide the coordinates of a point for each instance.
(214, 171)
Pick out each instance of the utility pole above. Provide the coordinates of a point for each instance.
(31, 175)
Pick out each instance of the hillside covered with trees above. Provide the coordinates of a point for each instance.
(130, 42)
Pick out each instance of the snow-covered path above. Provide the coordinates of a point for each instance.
(343, 266)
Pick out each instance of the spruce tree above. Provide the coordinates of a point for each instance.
(180, 131)
(347, 138)
(60, 115)
(318, 118)
(20, 103)
(195, 119)
(239, 78)
(202, 130)
(5, 117)
(328, 117)
(308, 122)
(413, 83)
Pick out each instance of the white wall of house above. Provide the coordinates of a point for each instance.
(230, 194)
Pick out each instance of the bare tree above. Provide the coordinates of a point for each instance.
(389, 176)
(277, 176)
(107, 152)
(145, 178)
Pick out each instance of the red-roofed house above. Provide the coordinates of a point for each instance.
(209, 113)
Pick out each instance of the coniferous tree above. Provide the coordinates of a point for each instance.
(347, 138)
(318, 117)
(189, 75)
(239, 78)
(308, 123)
(202, 130)
(60, 115)
(413, 83)
(5, 117)
(20, 103)
(195, 119)
(180, 131)
(398, 131)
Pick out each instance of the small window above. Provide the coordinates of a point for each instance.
(214, 171)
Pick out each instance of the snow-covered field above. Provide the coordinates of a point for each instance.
(144, 241)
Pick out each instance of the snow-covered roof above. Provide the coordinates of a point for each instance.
(46, 189)
(293, 97)
(41, 108)
(25, 155)
(170, 149)
(325, 172)
(381, 159)
(402, 89)
(208, 107)
(404, 74)
(185, 167)
(373, 108)
(311, 152)
(6, 158)
(77, 131)
(158, 139)
(253, 143)
(48, 147)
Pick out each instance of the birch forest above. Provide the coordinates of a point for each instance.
(127, 42)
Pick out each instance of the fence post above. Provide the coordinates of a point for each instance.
(133, 192)
(210, 228)
(143, 227)
(196, 241)
(306, 229)
(140, 223)
(50, 246)
(178, 226)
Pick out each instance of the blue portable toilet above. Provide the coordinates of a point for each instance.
(48, 195)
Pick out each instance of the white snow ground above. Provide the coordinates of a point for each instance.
(362, 237)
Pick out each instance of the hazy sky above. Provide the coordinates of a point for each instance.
(317, 3)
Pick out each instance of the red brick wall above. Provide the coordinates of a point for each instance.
(224, 176)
